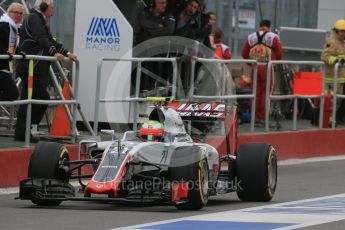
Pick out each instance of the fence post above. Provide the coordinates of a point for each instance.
(255, 83)
(30, 79)
(267, 105)
(29, 106)
(28, 124)
(75, 106)
(334, 107)
(174, 80)
(97, 96)
(137, 92)
(295, 109)
(192, 79)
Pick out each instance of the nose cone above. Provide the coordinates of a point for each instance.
(94, 187)
(108, 177)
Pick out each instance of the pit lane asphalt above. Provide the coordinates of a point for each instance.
(295, 182)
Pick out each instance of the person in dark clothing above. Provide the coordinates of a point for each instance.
(8, 45)
(211, 19)
(188, 23)
(36, 39)
(154, 21)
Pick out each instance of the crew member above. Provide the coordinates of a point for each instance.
(263, 46)
(333, 52)
(36, 39)
(8, 45)
(222, 51)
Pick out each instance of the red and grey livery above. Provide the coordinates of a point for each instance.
(177, 170)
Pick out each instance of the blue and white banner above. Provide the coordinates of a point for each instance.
(101, 30)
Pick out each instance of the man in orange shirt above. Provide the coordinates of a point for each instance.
(222, 51)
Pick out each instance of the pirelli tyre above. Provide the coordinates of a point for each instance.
(194, 170)
(46, 162)
(256, 171)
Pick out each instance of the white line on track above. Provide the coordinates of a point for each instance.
(311, 160)
(293, 215)
(6, 191)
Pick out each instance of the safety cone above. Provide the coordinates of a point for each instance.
(61, 125)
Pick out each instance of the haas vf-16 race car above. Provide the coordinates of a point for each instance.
(159, 163)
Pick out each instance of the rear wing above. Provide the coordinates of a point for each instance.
(211, 111)
(199, 110)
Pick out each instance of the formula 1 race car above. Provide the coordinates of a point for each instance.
(158, 163)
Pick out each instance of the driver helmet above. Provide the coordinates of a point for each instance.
(152, 131)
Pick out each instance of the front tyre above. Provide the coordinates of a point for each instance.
(46, 162)
(190, 165)
(256, 170)
(198, 190)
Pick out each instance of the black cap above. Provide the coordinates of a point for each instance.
(266, 23)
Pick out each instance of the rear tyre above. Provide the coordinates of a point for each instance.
(197, 175)
(256, 170)
(45, 162)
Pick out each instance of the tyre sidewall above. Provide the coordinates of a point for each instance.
(191, 173)
(252, 163)
(46, 159)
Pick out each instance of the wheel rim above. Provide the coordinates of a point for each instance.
(272, 171)
(204, 178)
(63, 156)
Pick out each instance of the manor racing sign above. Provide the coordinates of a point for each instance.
(199, 110)
(103, 35)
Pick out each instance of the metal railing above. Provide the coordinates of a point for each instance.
(228, 97)
(9, 114)
(30, 102)
(139, 62)
(335, 95)
(72, 93)
(270, 97)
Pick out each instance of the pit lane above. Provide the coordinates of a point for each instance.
(296, 181)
